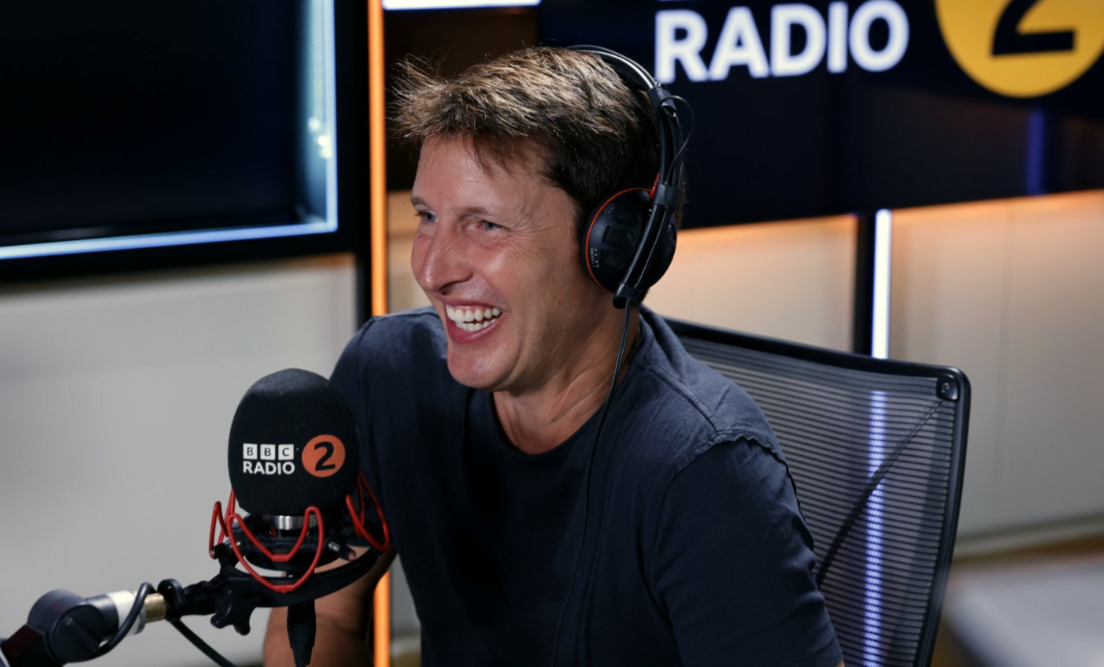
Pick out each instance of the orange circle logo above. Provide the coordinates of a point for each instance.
(324, 455)
(1023, 48)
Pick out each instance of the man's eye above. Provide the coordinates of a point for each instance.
(425, 216)
(490, 226)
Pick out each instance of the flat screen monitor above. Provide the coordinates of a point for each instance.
(143, 134)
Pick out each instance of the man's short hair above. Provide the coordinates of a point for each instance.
(592, 131)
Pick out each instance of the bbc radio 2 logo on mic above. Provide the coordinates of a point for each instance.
(268, 459)
(323, 456)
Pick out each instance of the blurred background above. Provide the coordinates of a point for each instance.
(193, 195)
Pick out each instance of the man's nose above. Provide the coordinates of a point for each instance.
(439, 260)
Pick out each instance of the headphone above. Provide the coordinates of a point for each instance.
(629, 240)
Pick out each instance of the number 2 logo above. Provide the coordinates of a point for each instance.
(323, 455)
(1023, 48)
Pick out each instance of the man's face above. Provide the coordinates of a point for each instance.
(497, 256)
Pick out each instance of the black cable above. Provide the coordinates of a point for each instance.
(302, 627)
(131, 618)
(686, 137)
(587, 477)
(211, 653)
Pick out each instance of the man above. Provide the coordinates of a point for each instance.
(483, 424)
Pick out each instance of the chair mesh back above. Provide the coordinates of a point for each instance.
(876, 460)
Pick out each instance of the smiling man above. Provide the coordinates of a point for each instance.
(538, 522)
(496, 253)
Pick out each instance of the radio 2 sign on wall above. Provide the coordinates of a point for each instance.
(815, 108)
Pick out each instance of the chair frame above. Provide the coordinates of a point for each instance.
(951, 384)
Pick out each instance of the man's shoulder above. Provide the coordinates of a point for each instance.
(397, 339)
(683, 408)
(391, 351)
(698, 394)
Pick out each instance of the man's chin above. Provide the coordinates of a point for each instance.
(469, 376)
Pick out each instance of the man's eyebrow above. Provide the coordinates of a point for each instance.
(473, 210)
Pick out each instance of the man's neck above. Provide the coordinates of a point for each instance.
(539, 420)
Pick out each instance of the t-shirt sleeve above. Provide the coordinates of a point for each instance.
(734, 562)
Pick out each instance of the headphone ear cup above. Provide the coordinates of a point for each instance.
(611, 237)
(615, 229)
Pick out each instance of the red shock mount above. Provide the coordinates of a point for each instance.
(226, 523)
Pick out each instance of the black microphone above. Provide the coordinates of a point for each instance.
(293, 445)
(294, 464)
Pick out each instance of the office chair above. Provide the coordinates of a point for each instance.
(876, 449)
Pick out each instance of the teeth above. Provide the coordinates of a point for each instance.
(473, 326)
(472, 319)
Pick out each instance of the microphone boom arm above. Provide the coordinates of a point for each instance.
(63, 627)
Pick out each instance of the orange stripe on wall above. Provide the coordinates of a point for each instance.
(377, 157)
(377, 168)
(382, 622)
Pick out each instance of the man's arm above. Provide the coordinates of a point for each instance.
(342, 617)
(733, 564)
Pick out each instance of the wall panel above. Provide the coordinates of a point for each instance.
(116, 397)
(791, 280)
(1010, 292)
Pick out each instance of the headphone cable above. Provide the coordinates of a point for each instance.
(587, 477)
(676, 163)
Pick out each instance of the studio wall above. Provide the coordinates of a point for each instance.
(116, 397)
(1011, 292)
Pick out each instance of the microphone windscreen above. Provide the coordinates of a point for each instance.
(293, 444)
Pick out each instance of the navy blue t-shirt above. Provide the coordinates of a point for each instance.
(695, 550)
